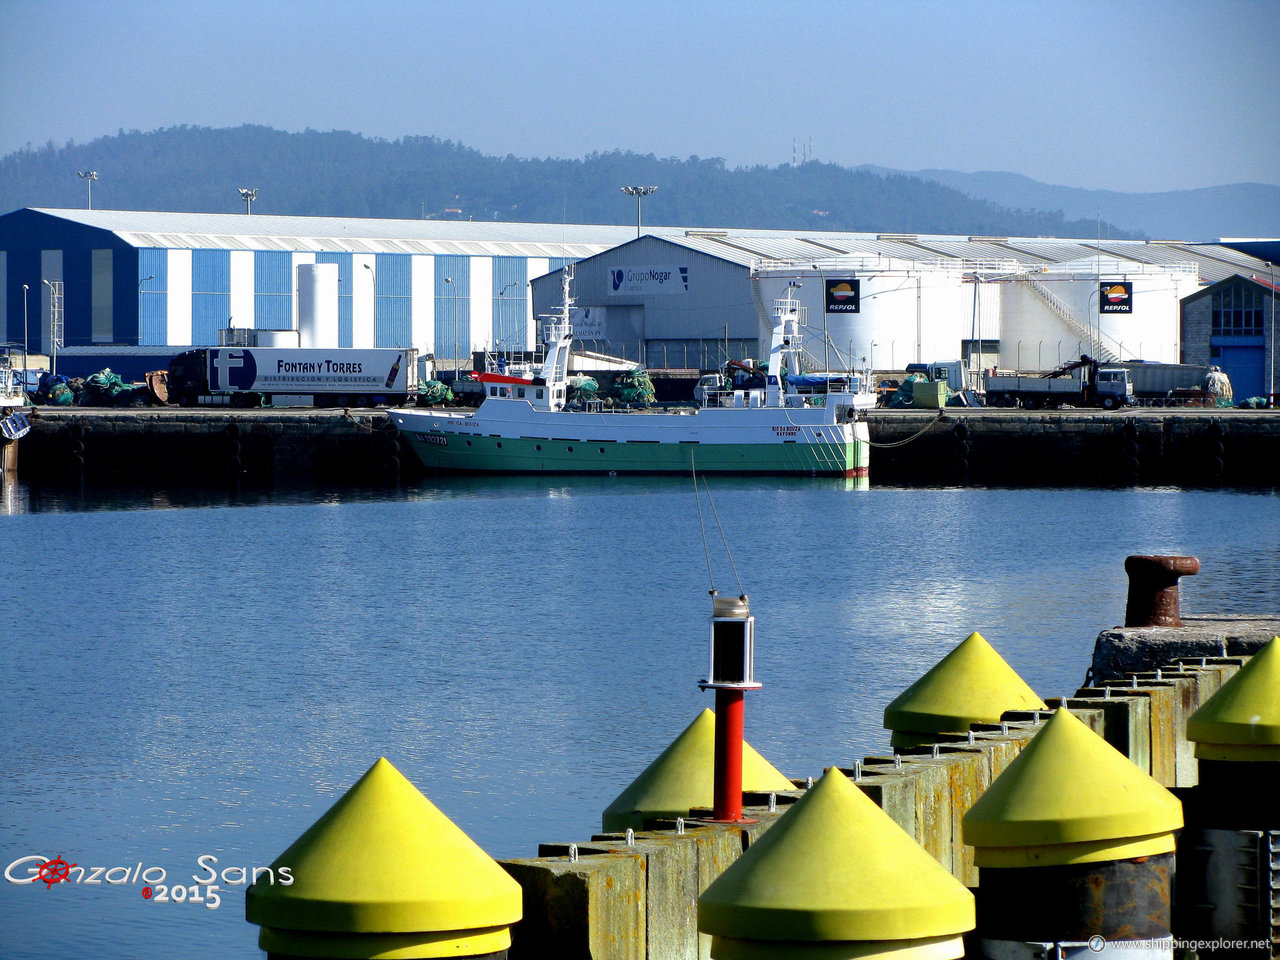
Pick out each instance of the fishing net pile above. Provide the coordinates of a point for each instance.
(633, 388)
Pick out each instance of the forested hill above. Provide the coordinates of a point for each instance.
(339, 174)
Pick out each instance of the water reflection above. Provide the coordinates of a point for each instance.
(206, 672)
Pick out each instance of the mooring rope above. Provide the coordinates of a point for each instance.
(915, 436)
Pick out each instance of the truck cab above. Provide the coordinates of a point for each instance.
(1114, 388)
(709, 385)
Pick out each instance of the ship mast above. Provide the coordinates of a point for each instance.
(788, 318)
(558, 337)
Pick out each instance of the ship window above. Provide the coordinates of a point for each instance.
(499, 444)
(570, 449)
(538, 447)
(493, 391)
(520, 392)
(538, 394)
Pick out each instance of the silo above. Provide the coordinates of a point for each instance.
(318, 305)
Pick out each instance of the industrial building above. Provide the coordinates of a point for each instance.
(890, 300)
(1232, 325)
(104, 282)
(119, 280)
(696, 297)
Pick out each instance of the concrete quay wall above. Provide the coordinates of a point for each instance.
(607, 898)
(185, 447)
(954, 446)
(1138, 446)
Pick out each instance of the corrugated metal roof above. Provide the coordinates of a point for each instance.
(978, 250)
(713, 247)
(232, 224)
(499, 238)
(1043, 248)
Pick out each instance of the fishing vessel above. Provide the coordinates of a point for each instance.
(523, 425)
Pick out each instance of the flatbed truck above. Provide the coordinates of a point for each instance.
(1081, 383)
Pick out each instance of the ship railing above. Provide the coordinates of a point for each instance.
(743, 399)
(557, 330)
(791, 310)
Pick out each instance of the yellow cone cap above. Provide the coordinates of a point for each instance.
(971, 684)
(383, 860)
(835, 867)
(1070, 797)
(1242, 720)
(683, 777)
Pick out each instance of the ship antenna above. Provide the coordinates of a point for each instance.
(723, 539)
(701, 527)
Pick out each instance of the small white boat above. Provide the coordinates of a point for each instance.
(14, 424)
(11, 387)
(522, 425)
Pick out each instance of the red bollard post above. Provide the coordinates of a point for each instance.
(1153, 589)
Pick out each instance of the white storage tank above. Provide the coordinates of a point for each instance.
(317, 305)
(1112, 309)
(889, 311)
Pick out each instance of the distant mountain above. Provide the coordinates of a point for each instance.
(339, 174)
(1208, 213)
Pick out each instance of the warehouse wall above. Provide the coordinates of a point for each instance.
(657, 299)
(94, 265)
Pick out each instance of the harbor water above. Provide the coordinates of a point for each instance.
(200, 675)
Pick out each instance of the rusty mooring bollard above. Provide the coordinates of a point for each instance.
(1153, 589)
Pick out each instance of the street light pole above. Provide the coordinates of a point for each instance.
(1271, 367)
(26, 296)
(501, 318)
(454, 287)
(638, 193)
(88, 176)
(1091, 317)
(141, 281)
(373, 288)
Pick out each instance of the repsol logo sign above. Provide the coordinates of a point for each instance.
(1115, 297)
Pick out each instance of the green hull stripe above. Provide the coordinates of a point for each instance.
(440, 451)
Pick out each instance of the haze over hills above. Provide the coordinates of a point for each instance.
(1208, 213)
(340, 174)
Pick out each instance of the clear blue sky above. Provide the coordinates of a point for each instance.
(1128, 94)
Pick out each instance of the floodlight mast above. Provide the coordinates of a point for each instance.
(639, 193)
(248, 196)
(88, 176)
